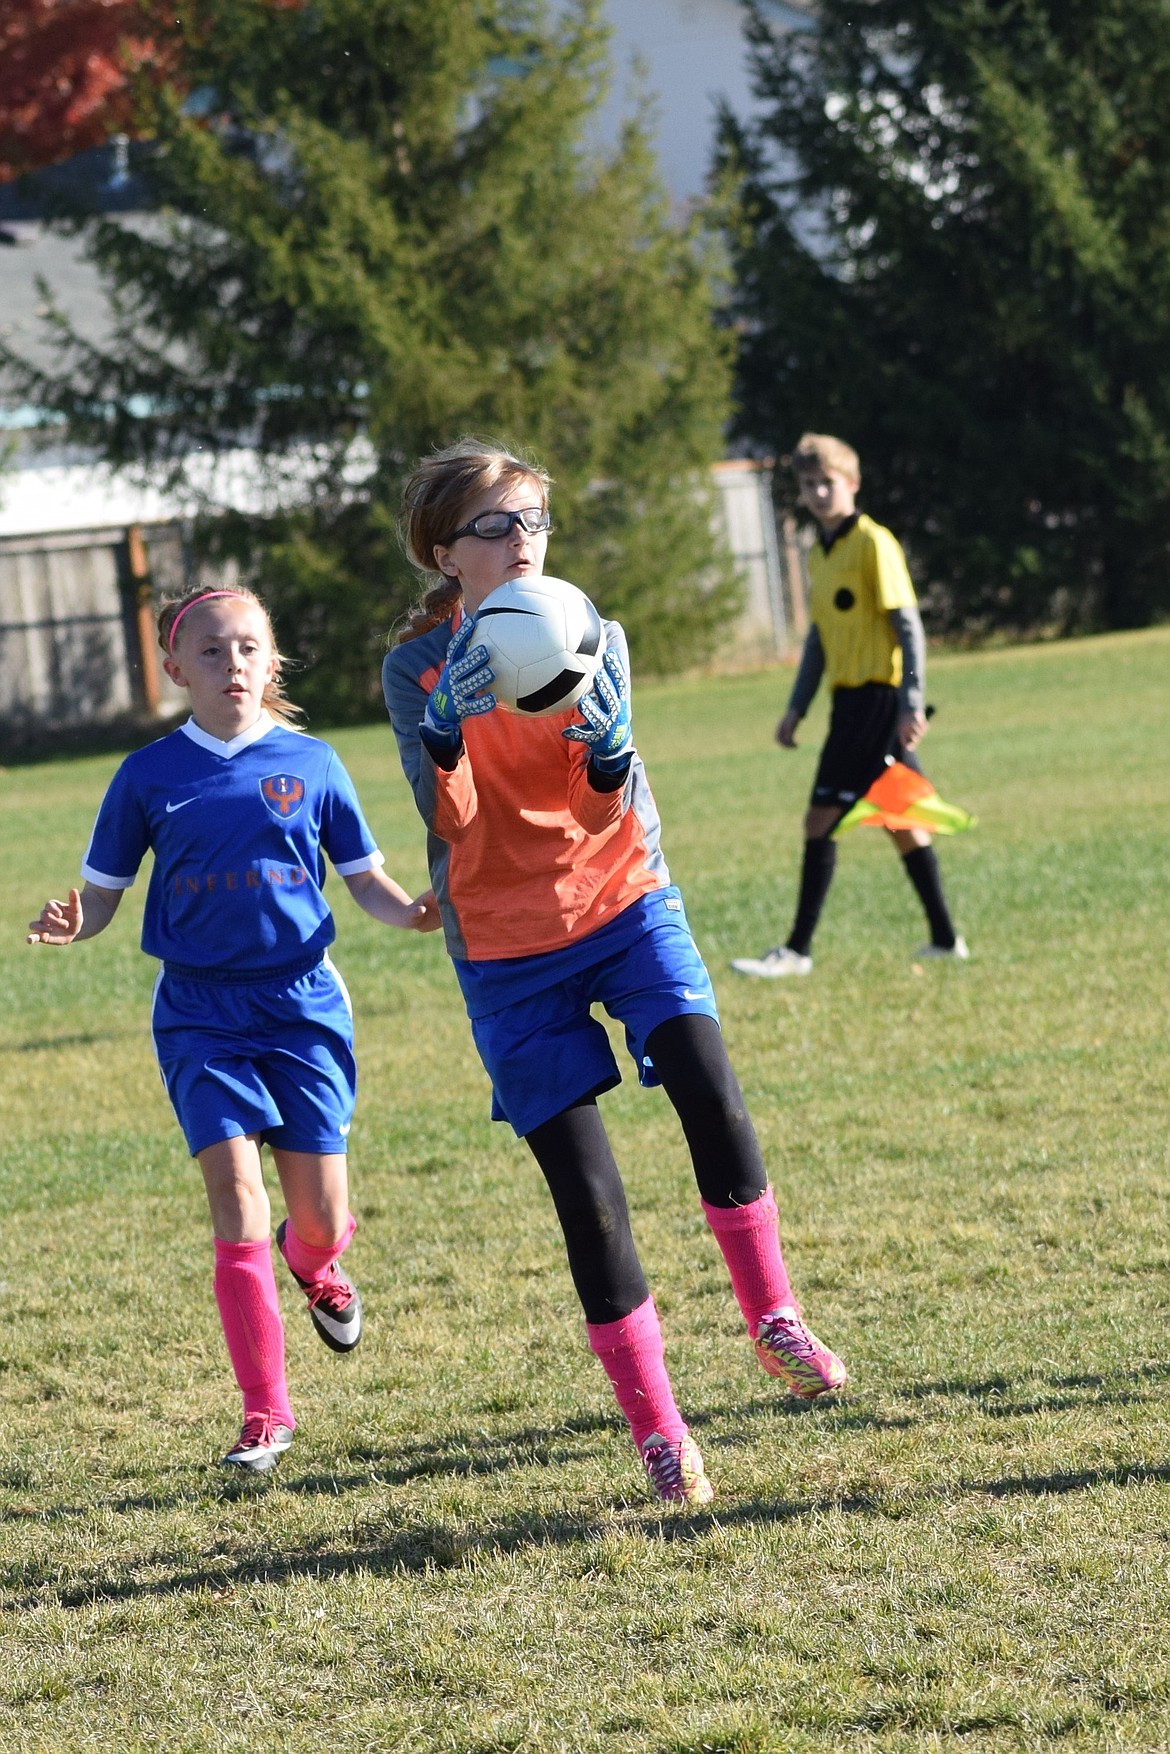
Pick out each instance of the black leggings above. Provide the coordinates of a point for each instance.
(574, 1153)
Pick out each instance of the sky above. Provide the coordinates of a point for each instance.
(693, 53)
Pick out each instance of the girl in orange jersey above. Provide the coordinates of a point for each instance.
(554, 894)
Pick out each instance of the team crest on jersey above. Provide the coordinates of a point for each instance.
(284, 793)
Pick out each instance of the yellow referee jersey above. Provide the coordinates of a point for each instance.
(852, 589)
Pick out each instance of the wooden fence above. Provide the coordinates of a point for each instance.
(77, 634)
(78, 653)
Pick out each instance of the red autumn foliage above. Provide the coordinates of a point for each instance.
(65, 73)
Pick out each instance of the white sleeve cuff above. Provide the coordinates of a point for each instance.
(103, 880)
(353, 866)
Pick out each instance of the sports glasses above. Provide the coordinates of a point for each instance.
(491, 526)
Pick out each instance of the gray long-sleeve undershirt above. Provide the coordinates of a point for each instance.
(808, 674)
(908, 631)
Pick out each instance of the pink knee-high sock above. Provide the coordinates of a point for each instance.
(631, 1352)
(750, 1239)
(309, 1263)
(245, 1290)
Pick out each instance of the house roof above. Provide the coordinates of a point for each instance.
(38, 254)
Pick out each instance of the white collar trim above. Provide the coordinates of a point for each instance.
(244, 740)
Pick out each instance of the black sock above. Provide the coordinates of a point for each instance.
(820, 860)
(922, 870)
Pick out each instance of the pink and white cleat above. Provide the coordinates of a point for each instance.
(676, 1470)
(335, 1303)
(260, 1444)
(789, 1350)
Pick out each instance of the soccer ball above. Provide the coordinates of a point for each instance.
(545, 643)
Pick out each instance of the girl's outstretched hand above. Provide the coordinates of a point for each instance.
(379, 896)
(59, 923)
(425, 913)
(607, 712)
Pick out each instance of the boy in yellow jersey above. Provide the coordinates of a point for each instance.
(866, 637)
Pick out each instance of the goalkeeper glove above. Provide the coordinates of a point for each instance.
(457, 694)
(607, 713)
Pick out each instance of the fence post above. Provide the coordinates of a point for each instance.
(794, 567)
(144, 618)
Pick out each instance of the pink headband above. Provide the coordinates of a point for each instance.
(191, 605)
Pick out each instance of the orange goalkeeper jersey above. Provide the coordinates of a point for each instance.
(525, 855)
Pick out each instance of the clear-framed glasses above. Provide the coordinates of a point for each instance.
(491, 526)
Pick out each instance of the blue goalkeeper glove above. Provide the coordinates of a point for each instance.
(457, 695)
(607, 713)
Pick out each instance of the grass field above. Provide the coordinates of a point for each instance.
(971, 1549)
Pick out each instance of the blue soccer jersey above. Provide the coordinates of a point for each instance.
(238, 832)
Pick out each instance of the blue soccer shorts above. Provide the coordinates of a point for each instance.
(274, 1059)
(546, 1051)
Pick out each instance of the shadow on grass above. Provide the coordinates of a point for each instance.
(836, 1415)
(1120, 1388)
(458, 1456)
(465, 1454)
(1053, 1485)
(381, 1549)
(461, 1455)
(51, 1043)
(221, 1491)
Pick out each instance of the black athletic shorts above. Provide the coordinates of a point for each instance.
(863, 739)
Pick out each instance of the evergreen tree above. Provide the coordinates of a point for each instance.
(383, 231)
(954, 252)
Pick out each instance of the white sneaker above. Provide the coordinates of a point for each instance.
(958, 952)
(780, 960)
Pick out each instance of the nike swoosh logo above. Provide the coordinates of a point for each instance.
(181, 806)
(687, 994)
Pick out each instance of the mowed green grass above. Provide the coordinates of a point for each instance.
(970, 1549)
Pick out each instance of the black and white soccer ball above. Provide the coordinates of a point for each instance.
(544, 641)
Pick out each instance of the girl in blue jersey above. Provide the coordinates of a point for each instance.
(251, 1021)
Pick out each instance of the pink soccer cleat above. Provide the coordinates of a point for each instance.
(676, 1470)
(789, 1350)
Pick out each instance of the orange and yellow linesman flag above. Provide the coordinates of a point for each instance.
(901, 798)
